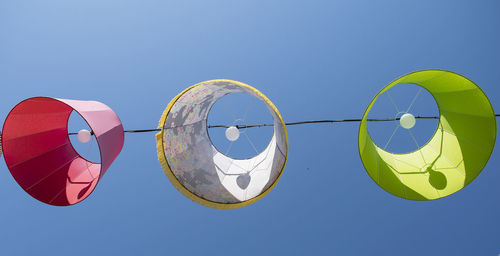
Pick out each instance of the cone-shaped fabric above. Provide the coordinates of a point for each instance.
(39, 154)
(453, 157)
(197, 169)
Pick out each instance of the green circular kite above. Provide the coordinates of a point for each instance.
(455, 155)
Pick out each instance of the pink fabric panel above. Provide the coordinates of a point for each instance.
(106, 126)
(40, 156)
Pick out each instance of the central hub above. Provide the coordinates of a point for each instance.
(232, 133)
(407, 121)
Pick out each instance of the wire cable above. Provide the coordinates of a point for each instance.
(288, 124)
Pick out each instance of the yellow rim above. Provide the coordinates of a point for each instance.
(178, 185)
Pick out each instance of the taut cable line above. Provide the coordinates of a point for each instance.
(289, 124)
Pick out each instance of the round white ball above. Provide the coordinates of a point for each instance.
(84, 136)
(407, 121)
(232, 133)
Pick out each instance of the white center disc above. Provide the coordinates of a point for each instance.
(407, 121)
(232, 133)
(84, 136)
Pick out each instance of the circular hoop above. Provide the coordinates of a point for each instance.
(197, 169)
(39, 153)
(455, 155)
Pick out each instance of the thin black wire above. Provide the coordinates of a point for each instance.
(288, 124)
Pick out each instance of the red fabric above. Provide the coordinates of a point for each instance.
(39, 154)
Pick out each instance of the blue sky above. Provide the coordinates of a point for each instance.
(313, 59)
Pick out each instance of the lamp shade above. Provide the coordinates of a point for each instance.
(195, 166)
(39, 153)
(454, 156)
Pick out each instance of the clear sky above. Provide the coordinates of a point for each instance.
(313, 59)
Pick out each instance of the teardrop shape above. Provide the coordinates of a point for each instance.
(84, 190)
(243, 180)
(437, 179)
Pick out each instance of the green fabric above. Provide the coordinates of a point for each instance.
(453, 157)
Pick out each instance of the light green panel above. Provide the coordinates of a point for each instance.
(453, 157)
